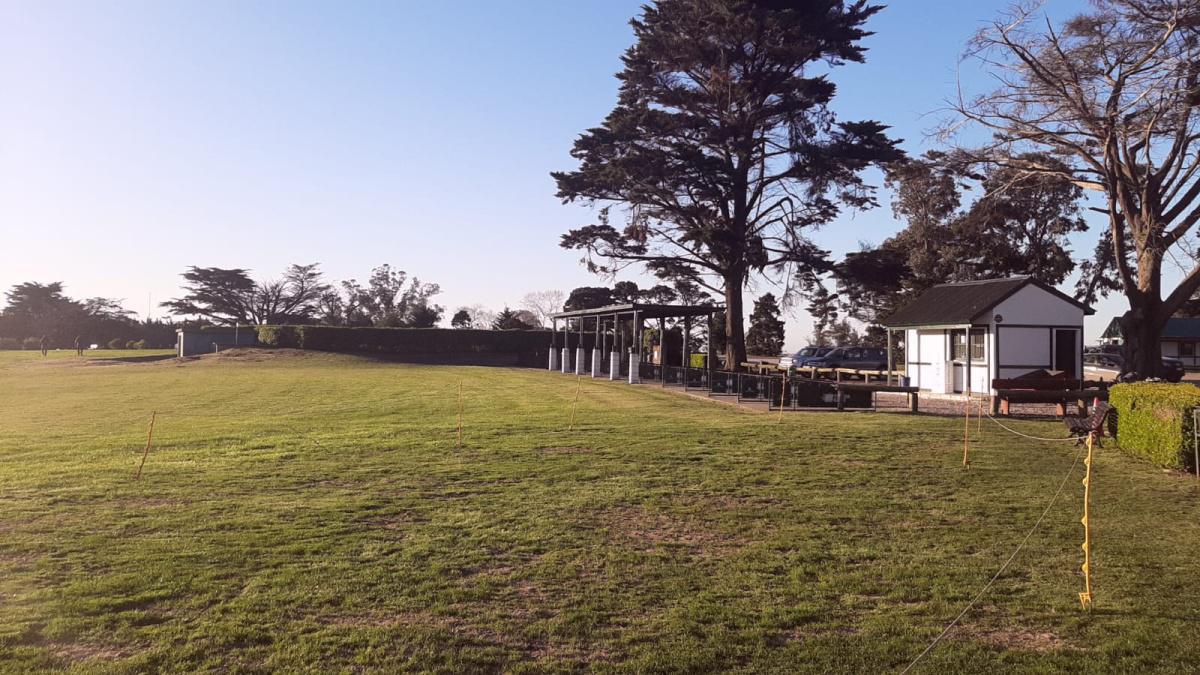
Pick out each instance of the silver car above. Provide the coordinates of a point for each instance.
(803, 356)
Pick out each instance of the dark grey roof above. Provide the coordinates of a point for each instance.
(1177, 328)
(964, 302)
(1181, 328)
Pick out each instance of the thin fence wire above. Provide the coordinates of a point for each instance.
(1062, 484)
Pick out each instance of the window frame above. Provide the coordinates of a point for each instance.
(959, 347)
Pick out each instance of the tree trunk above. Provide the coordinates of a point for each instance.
(735, 332)
(1142, 325)
(1140, 334)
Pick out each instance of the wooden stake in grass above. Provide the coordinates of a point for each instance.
(460, 413)
(575, 405)
(149, 439)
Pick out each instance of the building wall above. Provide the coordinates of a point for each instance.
(1032, 305)
(1022, 341)
(1171, 348)
(1029, 330)
(195, 341)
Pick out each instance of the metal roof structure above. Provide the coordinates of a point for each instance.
(1177, 328)
(963, 302)
(645, 311)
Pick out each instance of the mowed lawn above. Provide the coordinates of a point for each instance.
(311, 512)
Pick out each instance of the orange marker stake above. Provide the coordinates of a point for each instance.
(575, 405)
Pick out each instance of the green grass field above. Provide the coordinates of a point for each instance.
(311, 512)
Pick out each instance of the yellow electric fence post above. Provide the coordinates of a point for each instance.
(149, 438)
(460, 413)
(1085, 598)
(575, 405)
(966, 433)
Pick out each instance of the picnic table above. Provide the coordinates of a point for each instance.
(1056, 390)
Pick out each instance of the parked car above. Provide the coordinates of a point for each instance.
(802, 357)
(861, 358)
(1107, 366)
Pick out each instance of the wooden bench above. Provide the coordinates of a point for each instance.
(1082, 427)
(1055, 390)
(760, 367)
(875, 388)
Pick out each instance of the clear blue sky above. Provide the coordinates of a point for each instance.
(140, 137)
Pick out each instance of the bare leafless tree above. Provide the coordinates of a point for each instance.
(1115, 95)
(543, 303)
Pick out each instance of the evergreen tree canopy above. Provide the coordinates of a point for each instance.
(765, 337)
(722, 149)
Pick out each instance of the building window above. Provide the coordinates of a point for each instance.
(977, 346)
(958, 345)
(1187, 348)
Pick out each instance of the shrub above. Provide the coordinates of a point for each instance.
(135, 344)
(9, 343)
(31, 343)
(116, 343)
(279, 336)
(1154, 421)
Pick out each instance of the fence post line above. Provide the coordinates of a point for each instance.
(460, 413)
(149, 439)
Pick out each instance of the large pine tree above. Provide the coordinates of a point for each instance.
(765, 337)
(722, 150)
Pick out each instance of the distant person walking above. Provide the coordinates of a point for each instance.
(45, 345)
(78, 345)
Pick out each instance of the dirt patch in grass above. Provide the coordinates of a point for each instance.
(564, 451)
(395, 521)
(646, 530)
(77, 651)
(529, 649)
(1018, 638)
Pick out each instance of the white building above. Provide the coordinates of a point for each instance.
(206, 340)
(959, 337)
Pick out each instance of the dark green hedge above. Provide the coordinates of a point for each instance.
(1154, 421)
(411, 340)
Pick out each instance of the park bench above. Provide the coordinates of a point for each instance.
(912, 392)
(1082, 427)
(1056, 390)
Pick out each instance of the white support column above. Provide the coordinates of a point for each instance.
(614, 365)
(579, 360)
(566, 360)
(634, 359)
(597, 362)
(553, 359)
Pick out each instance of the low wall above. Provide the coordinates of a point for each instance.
(449, 346)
